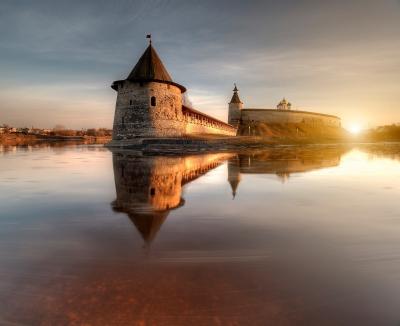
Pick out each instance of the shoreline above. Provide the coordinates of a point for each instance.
(190, 145)
(22, 139)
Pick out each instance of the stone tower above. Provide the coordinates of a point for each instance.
(149, 103)
(235, 107)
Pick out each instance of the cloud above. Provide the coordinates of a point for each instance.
(330, 56)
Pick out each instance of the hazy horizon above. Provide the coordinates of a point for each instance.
(58, 60)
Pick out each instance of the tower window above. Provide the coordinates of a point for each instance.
(130, 102)
(153, 101)
(152, 191)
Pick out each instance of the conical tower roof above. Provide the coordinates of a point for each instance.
(150, 68)
(149, 224)
(235, 96)
(234, 185)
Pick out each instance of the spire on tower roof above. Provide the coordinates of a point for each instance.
(235, 96)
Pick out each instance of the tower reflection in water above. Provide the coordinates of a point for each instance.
(149, 187)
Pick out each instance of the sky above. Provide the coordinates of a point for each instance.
(59, 58)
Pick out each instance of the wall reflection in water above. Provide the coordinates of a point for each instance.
(282, 162)
(149, 187)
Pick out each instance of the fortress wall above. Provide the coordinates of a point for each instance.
(193, 128)
(283, 117)
(135, 117)
(199, 123)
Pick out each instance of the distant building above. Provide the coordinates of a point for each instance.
(284, 105)
(23, 130)
(35, 131)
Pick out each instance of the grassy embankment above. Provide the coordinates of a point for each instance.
(298, 133)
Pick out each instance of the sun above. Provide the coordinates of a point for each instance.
(355, 129)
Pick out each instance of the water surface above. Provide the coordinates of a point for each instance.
(281, 236)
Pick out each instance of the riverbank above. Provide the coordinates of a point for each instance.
(14, 139)
(278, 136)
(212, 143)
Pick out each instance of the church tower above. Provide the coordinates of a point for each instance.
(149, 103)
(235, 107)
